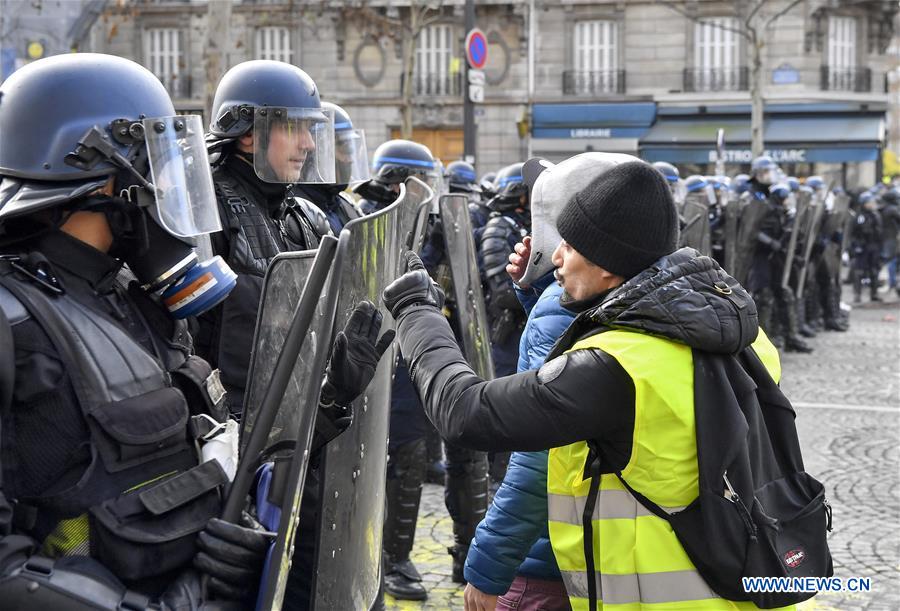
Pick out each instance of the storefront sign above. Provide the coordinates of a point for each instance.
(746, 155)
(600, 132)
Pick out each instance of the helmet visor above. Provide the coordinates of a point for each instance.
(180, 173)
(392, 171)
(294, 145)
(767, 176)
(351, 159)
(678, 189)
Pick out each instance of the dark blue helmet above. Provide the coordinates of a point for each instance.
(793, 183)
(396, 160)
(780, 191)
(815, 182)
(891, 197)
(461, 177)
(509, 186)
(255, 84)
(740, 183)
(865, 197)
(764, 170)
(668, 170)
(695, 183)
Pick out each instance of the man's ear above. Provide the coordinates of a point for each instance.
(245, 142)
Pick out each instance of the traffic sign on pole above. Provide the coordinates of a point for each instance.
(476, 77)
(476, 48)
(476, 93)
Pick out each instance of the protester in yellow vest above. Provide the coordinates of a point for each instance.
(621, 378)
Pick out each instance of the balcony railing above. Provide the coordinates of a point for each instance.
(593, 82)
(717, 79)
(178, 85)
(845, 79)
(435, 84)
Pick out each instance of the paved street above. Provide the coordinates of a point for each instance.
(847, 396)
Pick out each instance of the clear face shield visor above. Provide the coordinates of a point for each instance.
(428, 173)
(767, 176)
(182, 182)
(679, 191)
(351, 159)
(294, 145)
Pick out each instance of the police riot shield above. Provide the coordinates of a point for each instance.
(291, 427)
(466, 282)
(815, 217)
(695, 232)
(352, 472)
(750, 217)
(836, 229)
(732, 212)
(796, 220)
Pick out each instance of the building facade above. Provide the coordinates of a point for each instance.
(656, 79)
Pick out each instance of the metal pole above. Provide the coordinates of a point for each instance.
(468, 106)
(532, 34)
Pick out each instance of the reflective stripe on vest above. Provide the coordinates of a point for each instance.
(638, 560)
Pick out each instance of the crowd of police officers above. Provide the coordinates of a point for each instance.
(122, 353)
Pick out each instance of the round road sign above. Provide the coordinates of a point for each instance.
(476, 48)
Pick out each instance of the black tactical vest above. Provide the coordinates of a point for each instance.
(144, 495)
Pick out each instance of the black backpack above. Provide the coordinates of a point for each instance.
(759, 514)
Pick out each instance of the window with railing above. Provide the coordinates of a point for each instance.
(595, 59)
(841, 72)
(434, 52)
(716, 57)
(274, 42)
(163, 57)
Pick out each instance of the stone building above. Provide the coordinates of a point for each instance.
(639, 76)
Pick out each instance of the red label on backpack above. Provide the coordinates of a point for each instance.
(794, 558)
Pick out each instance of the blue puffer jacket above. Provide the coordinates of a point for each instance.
(513, 539)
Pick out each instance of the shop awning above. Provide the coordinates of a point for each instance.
(681, 138)
(592, 121)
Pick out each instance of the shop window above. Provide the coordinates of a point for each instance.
(274, 43)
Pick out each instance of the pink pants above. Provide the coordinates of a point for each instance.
(528, 594)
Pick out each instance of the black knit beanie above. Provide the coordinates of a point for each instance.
(624, 220)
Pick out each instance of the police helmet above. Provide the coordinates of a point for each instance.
(668, 170)
(891, 197)
(740, 183)
(764, 170)
(780, 191)
(509, 186)
(815, 182)
(793, 183)
(265, 95)
(351, 158)
(70, 122)
(695, 183)
(865, 197)
(396, 160)
(461, 177)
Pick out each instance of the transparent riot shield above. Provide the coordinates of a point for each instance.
(752, 212)
(695, 232)
(347, 571)
(732, 212)
(796, 222)
(291, 427)
(469, 298)
(836, 228)
(815, 216)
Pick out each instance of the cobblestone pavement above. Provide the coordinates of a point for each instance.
(847, 396)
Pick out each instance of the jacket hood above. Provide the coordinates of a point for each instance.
(685, 297)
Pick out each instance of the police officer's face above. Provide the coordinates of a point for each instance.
(290, 143)
(580, 278)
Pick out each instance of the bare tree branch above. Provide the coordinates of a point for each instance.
(783, 12)
(672, 6)
(755, 10)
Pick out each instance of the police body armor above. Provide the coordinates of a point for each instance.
(500, 235)
(143, 498)
(253, 240)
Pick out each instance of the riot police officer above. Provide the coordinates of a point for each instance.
(865, 246)
(461, 178)
(673, 177)
(269, 133)
(890, 219)
(825, 289)
(775, 303)
(104, 498)
(351, 167)
(269, 130)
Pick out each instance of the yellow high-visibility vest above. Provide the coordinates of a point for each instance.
(639, 563)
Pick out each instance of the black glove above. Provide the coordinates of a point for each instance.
(232, 556)
(354, 356)
(415, 287)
